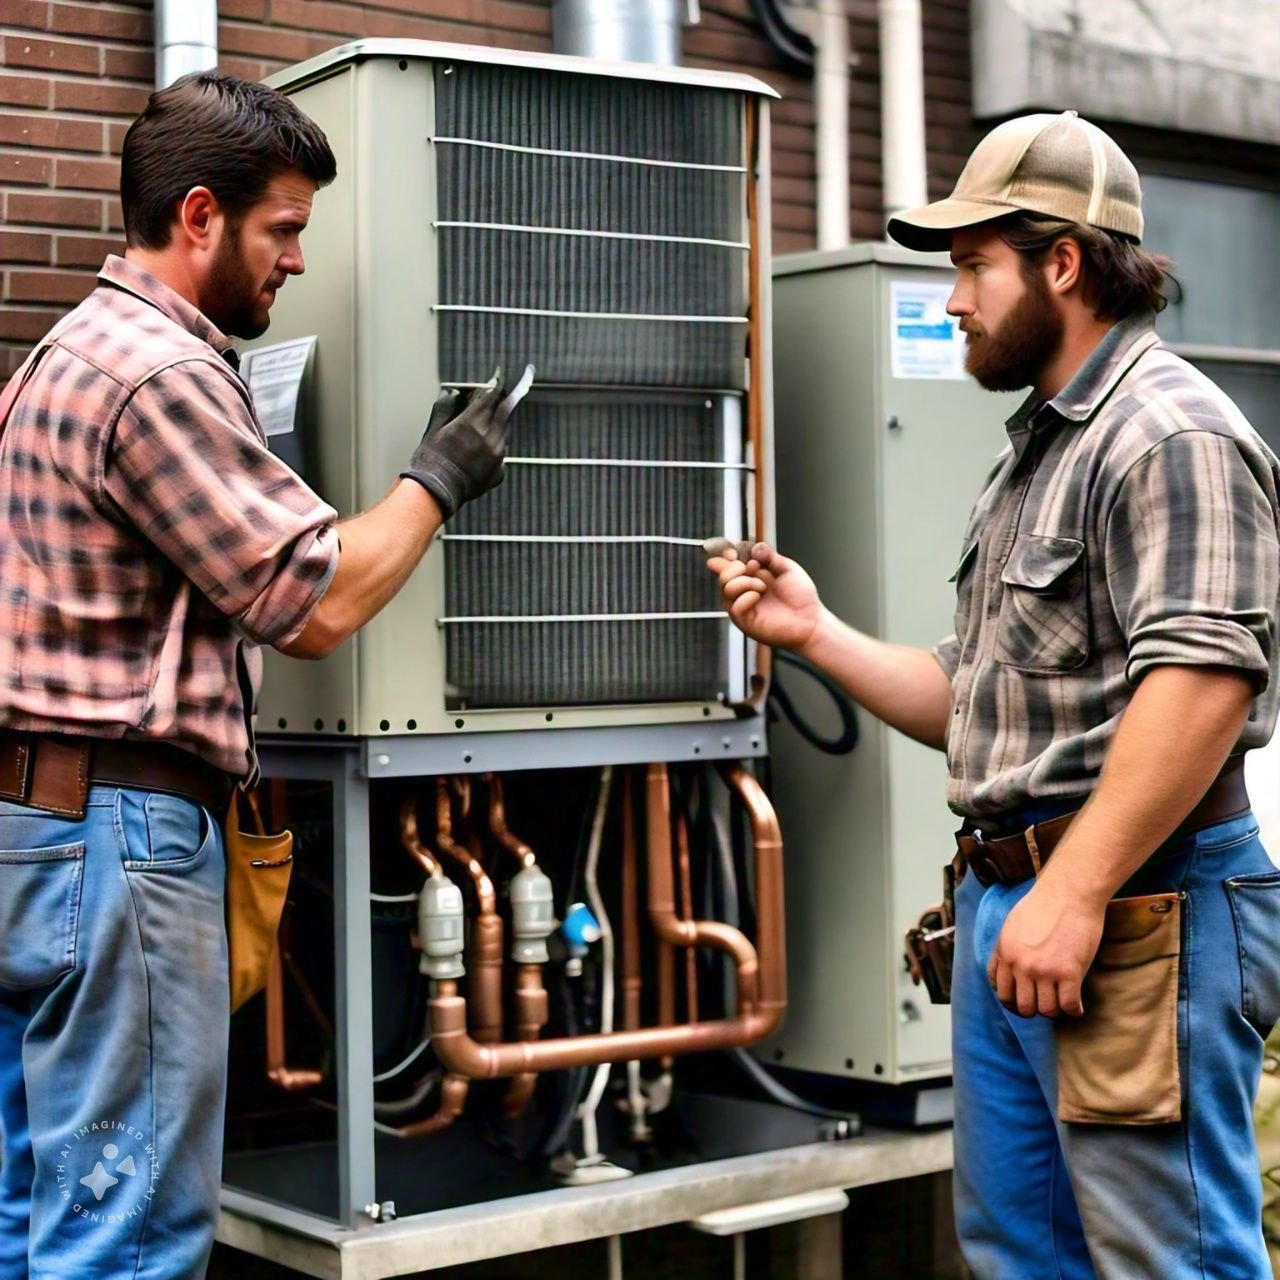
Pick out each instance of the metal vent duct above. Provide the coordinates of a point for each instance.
(597, 229)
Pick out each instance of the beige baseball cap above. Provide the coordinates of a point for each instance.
(1057, 165)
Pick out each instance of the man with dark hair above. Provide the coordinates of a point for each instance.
(1117, 939)
(150, 542)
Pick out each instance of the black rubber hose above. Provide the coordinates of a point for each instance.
(794, 46)
(847, 738)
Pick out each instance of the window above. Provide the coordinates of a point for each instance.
(1222, 240)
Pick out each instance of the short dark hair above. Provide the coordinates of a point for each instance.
(217, 131)
(1120, 277)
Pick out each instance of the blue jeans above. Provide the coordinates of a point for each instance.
(113, 1038)
(1038, 1199)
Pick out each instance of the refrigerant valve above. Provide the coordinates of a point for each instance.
(532, 915)
(440, 928)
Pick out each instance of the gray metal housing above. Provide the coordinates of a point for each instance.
(877, 478)
(367, 296)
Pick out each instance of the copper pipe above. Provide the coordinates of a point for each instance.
(283, 1076)
(755, 701)
(531, 1016)
(484, 950)
(686, 917)
(761, 988)
(632, 982)
(453, 1097)
(412, 841)
(530, 995)
(498, 824)
(453, 1088)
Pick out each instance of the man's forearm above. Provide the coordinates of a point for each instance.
(903, 686)
(1170, 745)
(380, 549)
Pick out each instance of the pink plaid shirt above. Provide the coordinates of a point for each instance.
(146, 531)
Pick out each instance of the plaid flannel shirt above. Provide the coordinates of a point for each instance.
(1130, 524)
(146, 531)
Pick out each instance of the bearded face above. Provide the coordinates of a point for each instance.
(1013, 354)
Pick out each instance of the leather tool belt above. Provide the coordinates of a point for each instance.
(1012, 859)
(55, 771)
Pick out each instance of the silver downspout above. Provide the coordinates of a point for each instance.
(831, 102)
(186, 38)
(621, 30)
(902, 106)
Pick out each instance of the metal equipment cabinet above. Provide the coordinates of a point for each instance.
(887, 445)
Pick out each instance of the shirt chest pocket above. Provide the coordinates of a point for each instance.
(1043, 626)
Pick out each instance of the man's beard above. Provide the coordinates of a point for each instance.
(230, 302)
(1014, 355)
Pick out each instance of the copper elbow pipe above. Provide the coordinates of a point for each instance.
(766, 840)
(290, 1079)
(453, 1097)
(410, 839)
(484, 953)
(662, 907)
(498, 824)
(283, 1076)
(761, 989)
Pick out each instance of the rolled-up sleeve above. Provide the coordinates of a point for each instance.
(947, 653)
(189, 468)
(1193, 559)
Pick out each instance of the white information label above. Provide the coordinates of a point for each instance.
(924, 341)
(274, 377)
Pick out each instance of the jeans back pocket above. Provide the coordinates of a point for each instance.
(1255, 908)
(39, 914)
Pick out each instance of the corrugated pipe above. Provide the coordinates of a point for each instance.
(186, 38)
(621, 30)
(902, 106)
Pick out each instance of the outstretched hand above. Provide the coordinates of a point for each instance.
(768, 597)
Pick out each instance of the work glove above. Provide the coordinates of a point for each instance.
(462, 451)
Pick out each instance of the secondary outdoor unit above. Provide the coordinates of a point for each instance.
(605, 222)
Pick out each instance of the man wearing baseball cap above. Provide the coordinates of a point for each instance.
(1117, 942)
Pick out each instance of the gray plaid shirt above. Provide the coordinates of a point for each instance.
(1130, 524)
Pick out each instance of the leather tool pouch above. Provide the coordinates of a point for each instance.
(1118, 1064)
(931, 943)
(258, 870)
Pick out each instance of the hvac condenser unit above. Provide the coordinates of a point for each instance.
(606, 223)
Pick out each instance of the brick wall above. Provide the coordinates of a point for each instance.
(74, 72)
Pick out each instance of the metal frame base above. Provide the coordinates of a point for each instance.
(503, 1228)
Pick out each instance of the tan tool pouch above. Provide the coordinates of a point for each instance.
(258, 870)
(1118, 1064)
